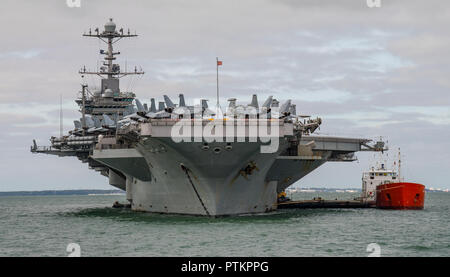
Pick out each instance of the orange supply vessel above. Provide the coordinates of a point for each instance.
(385, 189)
(400, 196)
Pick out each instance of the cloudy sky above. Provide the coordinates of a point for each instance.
(367, 72)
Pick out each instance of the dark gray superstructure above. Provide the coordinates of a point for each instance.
(193, 159)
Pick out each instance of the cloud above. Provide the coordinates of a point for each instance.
(364, 71)
(25, 54)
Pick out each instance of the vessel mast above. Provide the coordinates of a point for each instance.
(399, 165)
(110, 36)
(60, 117)
(83, 108)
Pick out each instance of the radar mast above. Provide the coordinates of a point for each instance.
(110, 72)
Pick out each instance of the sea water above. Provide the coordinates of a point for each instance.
(46, 225)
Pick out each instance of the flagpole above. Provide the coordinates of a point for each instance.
(60, 116)
(217, 67)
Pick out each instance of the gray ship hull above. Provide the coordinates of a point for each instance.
(187, 179)
(219, 179)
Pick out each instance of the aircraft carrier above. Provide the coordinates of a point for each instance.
(198, 160)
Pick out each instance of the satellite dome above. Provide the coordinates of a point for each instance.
(108, 93)
(110, 26)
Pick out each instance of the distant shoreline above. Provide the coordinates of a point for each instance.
(349, 190)
(117, 192)
(61, 192)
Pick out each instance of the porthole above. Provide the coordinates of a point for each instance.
(217, 150)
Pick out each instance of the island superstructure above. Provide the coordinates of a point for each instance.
(175, 158)
(375, 177)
